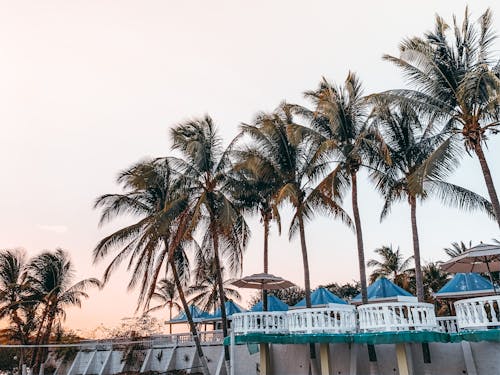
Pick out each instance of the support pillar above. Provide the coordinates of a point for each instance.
(402, 360)
(470, 365)
(265, 363)
(324, 356)
(353, 360)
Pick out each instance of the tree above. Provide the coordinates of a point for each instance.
(457, 248)
(157, 239)
(295, 161)
(339, 129)
(414, 148)
(345, 291)
(167, 295)
(289, 295)
(51, 275)
(392, 265)
(205, 169)
(456, 81)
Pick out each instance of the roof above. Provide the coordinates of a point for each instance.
(196, 313)
(273, 304)
(480, 258)
(321, 296)
(383, 289)
(465, 284)
(231, 308)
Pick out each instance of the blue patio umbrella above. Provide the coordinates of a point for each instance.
(196, 313)
(273, 304)
(321, 296)
(384, 290)
(465, 285)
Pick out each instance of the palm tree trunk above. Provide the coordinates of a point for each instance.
(170, 317)
(305, 261)
(220, 287)
(266, 258)
(359, 238)
(489, 181)
(192, 327)
(38, 338)
(416, 250)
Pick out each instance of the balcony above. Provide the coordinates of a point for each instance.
(478, 313)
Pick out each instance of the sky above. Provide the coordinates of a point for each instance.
(90, 87)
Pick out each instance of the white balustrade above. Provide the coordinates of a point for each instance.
(447, 324)
(334, 318)
(477, 313)
(260, 321)
(397, 316)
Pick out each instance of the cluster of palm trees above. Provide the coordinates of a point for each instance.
(34, 294)
(308, 158)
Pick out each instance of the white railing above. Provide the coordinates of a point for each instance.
(335, 318)
(480, 312)
(447, 324)
(260, 322)
(397, 316)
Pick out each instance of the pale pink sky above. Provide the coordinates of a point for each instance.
(89, 87)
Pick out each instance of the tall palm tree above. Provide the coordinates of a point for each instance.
(457, 248)
(411, 146)
(295, 160)
(339, 128)
(157, 239)
(205, 289)
(456, 80)
(392, 265)
(167, 295)
(204, 168)
(51, 276)
(434, 279)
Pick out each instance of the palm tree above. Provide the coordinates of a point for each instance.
(51, 275)
(457, 248)
(434, 279)
(166, 294)
(157, 239)
(204, 169)
(393, 265)
(338, 124)
(457, 81)
(413, 148)
(295, 161)
(205, 290)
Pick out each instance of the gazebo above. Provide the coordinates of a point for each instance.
(321, 297)
(273, 304)
(384, 290)
(465, 285)
(197, 314)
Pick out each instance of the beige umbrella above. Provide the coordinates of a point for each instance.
(263, 281)
(480, 258)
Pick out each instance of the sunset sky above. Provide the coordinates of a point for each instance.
(89, 87)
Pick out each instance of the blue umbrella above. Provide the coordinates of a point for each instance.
(465, 285)
(273, 304)
(321, 296)
(385, 290)
(196, 313)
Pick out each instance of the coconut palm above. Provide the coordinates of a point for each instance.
(434, 279)
(167, 295)
(295, 161)
(156, 240)
(410, 146)
(456, 80)
(392, 265)
(51, 276)
(204, 168)
(457, 248)
(205, 289)
(339, 128)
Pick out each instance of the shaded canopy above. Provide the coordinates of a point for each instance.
(321, 296)
(480, 258)
(231, 308)
(263, 281)
(465, 285)
(384, 290)
(273, 304)
(197, 314)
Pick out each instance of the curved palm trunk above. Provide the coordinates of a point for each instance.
(305, 261)
(192, 327)
(170, 317)
(416, 250)
(266, 258)
(220, 287)
(34, 354)
(359, 238)
(478, 149)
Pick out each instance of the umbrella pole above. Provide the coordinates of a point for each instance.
(491, 277)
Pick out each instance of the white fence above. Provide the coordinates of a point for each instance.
(447, 324)
(335, 318)
(480, 312)
(260, 322)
